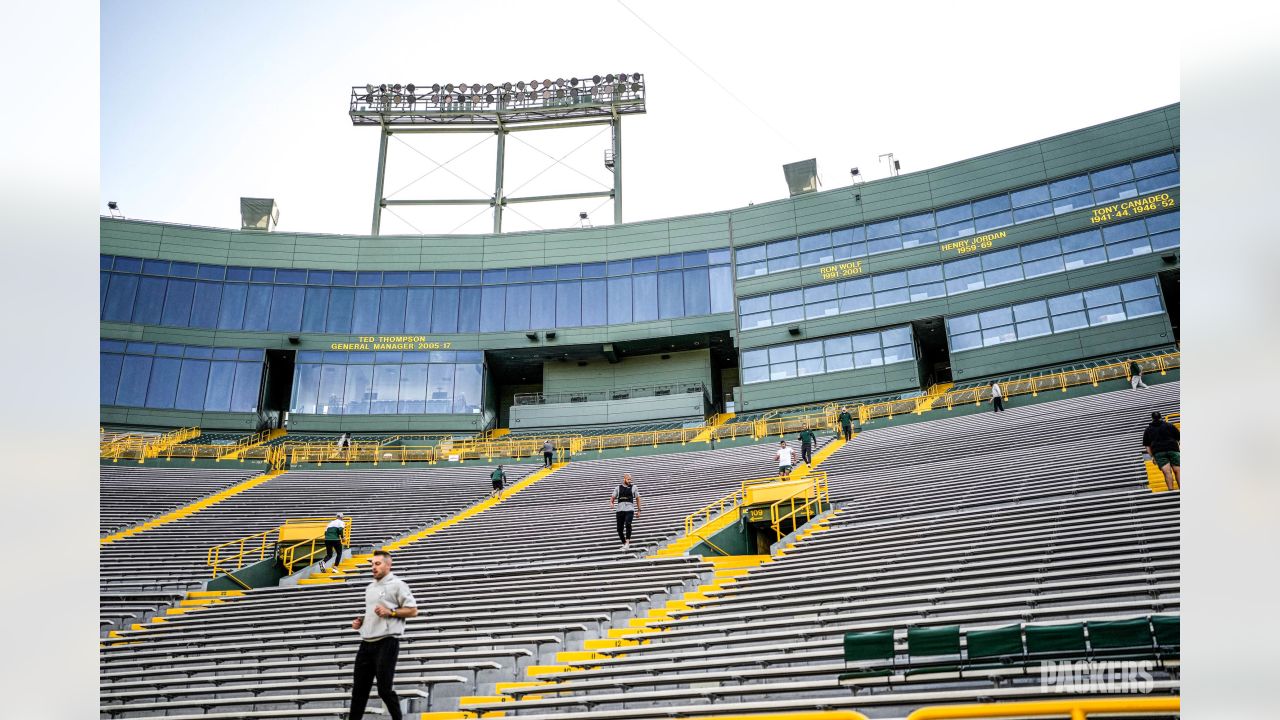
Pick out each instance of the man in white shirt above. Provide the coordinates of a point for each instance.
(388, 601)
(997, 397)
(786, 459)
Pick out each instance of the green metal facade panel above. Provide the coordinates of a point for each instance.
(414, 423)
(1058, 349)
(831, 386)
(178, 418)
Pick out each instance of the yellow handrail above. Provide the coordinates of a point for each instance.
(813, 494)
(214, 557)
(713, 509)
(294, 555)
(1074, 708)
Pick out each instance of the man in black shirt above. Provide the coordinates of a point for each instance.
(1163, 443)
(846, 424)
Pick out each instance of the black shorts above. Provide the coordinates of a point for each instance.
(497, 484)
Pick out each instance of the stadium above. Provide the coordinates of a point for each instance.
(933, 560)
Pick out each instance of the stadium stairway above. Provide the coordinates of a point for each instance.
(1037, 515)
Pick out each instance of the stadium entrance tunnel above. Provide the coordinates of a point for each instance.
(931, 349)
(277, 385)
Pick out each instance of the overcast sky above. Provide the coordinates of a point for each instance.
(203, 103)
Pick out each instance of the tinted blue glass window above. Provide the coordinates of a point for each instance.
(217, 396)
(395, 279)
(391, 311)
(1071, 203)
(716, 257)
(1030, 196)
(128, 264)
(955, 230)
(192, 381)
(306, 383)
(882, 229)
(386, 389)
(440, 388)
(471, 277)
(244, 393)
(543, 304)
(696, 258)
(104, 279)
(990, 205)
(592, 270)
(1090, 238)
(422, 278)
(619, 300)
(594, 302)
(238, 274)
(991, 222)
(1155, 165)
(1069, 186)
(293, 277)
(168, 350)
(1111, 176)
(751, 254)
(468, 384)
(618, 268)
(286, 308)
(815, 242)
(697, 292)
(257, 307)
(251, 353)
(182, 270)
(1032, 212)
(333, 381)
(444, 310)
(670, 295)
(364, 317)
(924, 237)
(141, 348)
(135, 375)
(342, 303)
(262, 275)
(1115, 192)
(413, 388)
(721, 290)
(120, 298)
(225, 353)
(104, 261)
(953, 214)
(568, 304)
(358, 389)
(519, 275)
(645, 296)
(111, 346)
(164, 382)
(108, 377)
(149, 304)
(315, 306)
(469, 310)
(368, 278)
(204, 306)
(417, 318)
(923, 221)
(672, 262)
(448, 277)
(231, 310)
(517, 310)
(155, 267)
(493, 308)
(650, 264)
(319, 277)
(345, 278)
(881, 245)
(310, 356)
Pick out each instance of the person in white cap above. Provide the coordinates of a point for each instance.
(333, 533)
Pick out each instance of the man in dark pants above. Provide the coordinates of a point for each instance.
(548, 449)
(387, 602)
(846, 424)
(626, 506)
(499, 478)
(806, 446)
(1163, 443)
(333, 533)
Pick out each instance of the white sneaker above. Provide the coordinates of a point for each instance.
(626, 545)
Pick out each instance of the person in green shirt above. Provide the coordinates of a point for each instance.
(333, 533)
(846, 423)
(499, 478)
(806, 446)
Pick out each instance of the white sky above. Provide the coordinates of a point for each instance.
(202, 104)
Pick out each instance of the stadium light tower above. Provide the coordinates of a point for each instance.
(499, 109)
